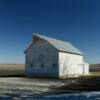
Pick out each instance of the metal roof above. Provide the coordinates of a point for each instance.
(60, 45)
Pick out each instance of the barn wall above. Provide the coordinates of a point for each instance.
(86, 68)
(42, 60)
(70, 64)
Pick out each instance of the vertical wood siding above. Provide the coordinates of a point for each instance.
(40, 60)
(70, 65)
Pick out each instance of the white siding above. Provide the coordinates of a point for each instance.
(54, 63)
(86, 68)
(49, 56)
(70, 65)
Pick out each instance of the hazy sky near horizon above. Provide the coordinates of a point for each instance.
(75, 21)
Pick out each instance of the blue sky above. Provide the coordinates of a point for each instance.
(75, 21)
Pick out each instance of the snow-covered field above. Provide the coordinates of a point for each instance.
(35, 89)
(30, 86)
(74, 96)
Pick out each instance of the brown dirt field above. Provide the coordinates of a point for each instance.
(12, 69)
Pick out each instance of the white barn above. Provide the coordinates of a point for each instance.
(48, 57)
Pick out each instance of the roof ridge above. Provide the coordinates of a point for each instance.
(39, 35)
(60, 44)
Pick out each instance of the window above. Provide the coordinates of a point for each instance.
(32, 65)
(42, 65)
(40, 57)
(54, 65)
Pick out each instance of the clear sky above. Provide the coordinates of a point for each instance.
(75, 21)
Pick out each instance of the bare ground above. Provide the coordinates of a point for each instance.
(12, 70)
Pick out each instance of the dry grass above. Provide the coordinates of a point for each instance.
(11, 69)
(94, 70)
(95, 73)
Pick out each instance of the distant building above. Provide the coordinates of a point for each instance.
(48, 57)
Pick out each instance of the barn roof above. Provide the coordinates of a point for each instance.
(59, 45)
